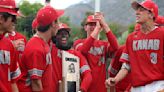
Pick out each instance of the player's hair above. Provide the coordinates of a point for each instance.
(43, 28)
(6, 15)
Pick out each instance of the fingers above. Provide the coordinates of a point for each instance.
(110, 82)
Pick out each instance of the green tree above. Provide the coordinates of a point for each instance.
(29, 9)
(24, 23)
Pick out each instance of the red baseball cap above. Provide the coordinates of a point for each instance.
(160, 20)
(148, 4)
(90, 18)
(34, 24)
(9, 6)
(47, 15)
(63, 26)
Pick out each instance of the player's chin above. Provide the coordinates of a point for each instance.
(138, 21)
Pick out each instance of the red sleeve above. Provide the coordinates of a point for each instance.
(113, 41)
(115, 65)
(86, 81)
(125, 54)
(36, 64)
(14, 68)
(85, 46)
(85, 73)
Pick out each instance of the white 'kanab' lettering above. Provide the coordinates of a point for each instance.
(146, 44)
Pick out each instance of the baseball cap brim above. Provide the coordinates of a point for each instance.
(60, 12)
(34, 23)
(135, 5)
(10, 11)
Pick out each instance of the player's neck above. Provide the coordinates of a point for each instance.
(147, 27)
(1, 31)
(45, 36)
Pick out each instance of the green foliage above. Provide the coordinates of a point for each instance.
(24, 23)
(116, 29)
(123, 37)
(131, 28)
(24, 26)
(65, 19)
(29, 9)
(75, 33)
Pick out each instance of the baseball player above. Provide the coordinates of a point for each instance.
(9, 69)
(115, 66)
(143, 54)
(61, 42)
(96, 51)
(19, 41)
(36, 62)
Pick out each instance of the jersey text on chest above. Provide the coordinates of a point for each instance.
(97, 50)
(146, 44)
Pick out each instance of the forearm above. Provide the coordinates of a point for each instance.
(36, 85)
(86, 45)
(106, 28)
(121, 74)
(86, 81)
(14, 87)
(112, 88)
(112, 40)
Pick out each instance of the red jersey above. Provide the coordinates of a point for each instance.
(96, 52)
(16, 36)
(8, 66)
(144, 53)
(114, 68)
(36, 64)
(85, 71)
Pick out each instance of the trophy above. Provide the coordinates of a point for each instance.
(70, 73)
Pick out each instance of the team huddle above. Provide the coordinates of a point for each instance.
(37, 65)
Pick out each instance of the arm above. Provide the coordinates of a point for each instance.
(36, 70)
(86, 81)
(14, 87)
(112, 81)
(15, 72)
(85, 72)
(86, 45)
(111, 37)
(113, 41)
(36, 85)
(112, 89)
